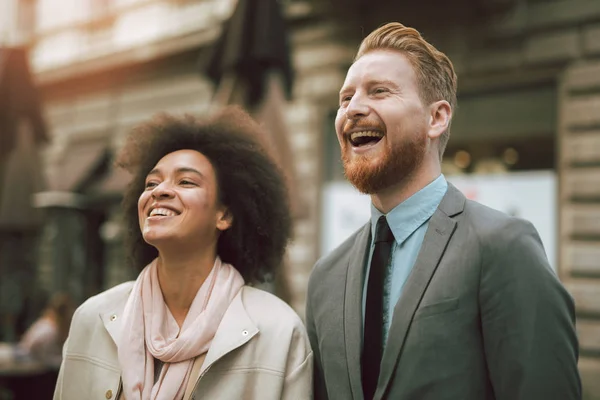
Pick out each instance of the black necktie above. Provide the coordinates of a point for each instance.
(373, 332)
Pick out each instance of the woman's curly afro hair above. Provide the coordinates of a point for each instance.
(249, 184)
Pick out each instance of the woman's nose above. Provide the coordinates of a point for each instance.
(162, 190)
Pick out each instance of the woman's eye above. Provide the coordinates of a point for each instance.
(186, 182)
(150, 184)
(380, 90)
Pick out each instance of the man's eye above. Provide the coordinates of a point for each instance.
(380, 90)
(186, 182)
(150, 184)
(345, 99)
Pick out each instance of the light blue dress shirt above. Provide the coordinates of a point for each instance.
(408, 221)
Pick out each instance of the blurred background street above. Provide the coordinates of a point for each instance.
(77, 75)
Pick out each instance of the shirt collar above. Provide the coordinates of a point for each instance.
(413, 212)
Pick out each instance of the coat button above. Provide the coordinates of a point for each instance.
(108, 394)
(112, 318)
(245, 332)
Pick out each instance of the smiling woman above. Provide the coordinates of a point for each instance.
(242, 174)
(207, 214)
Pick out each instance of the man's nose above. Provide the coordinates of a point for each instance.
(357, 108)
(162, 190)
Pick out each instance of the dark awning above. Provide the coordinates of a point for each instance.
(254, 42)
(250, 66)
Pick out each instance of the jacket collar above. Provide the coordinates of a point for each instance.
(112, 316)
(236, 327)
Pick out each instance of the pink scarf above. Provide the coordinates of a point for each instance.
(150, 331)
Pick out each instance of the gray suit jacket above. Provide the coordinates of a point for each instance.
(481, 316)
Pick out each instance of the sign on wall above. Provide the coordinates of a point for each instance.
(529, 195)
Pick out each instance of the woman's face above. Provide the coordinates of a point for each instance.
(179, 207)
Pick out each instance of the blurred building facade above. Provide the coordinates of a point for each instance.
(103, 67)
(529, 99)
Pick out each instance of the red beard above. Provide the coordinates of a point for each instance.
(395, 164)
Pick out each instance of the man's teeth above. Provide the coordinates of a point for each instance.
(165, 212)
(356, 135)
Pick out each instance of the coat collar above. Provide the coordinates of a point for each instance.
(112, 316)
(236, 327)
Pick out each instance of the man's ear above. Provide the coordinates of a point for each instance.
(225, 219)
(440, 114)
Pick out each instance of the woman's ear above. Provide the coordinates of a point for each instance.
(225, 219)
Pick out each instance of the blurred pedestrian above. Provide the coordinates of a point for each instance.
(437, 297)
(208, 215)
(44, 339)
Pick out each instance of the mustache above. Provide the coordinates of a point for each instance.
(362, 124)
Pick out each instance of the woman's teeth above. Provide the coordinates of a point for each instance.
(164, 212)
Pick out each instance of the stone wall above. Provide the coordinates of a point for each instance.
(579, 197)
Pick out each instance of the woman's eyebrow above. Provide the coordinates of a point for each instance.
(189, 169)
(157, 171)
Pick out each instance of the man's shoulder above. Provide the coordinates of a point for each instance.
(491, 225)
(331, 269)
(340, 253)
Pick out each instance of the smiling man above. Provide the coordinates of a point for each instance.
(436, 297)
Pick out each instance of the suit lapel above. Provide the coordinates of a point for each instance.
(440, 230)
(353, 309)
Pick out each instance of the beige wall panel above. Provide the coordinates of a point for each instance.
(579, 205)
(553, 46)
(591, 39)
(562, 12)
(586, 293)
(60, 119)
(583, 76)
(589, 369)
(582, 258)
(582, 147)
(582, 111)
(94, 114)
(177, 94)
(581, 220)
(589, 336)
(582, 184)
